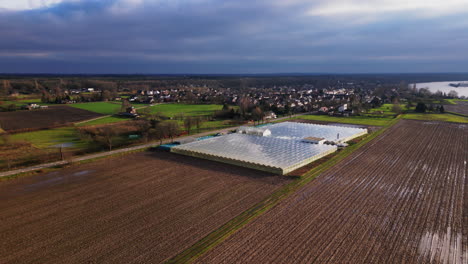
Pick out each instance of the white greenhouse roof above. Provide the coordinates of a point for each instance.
(282, 155)
(280, 151)
(298, 131)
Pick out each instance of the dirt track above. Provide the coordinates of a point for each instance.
(54, 116)
(139, 208)
(402, 198)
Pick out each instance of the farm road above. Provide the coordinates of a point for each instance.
(113, 152)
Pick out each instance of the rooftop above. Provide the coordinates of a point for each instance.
(280, 151)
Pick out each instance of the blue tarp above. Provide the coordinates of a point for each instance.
(205, 137)
(262, 125)
(168, 146)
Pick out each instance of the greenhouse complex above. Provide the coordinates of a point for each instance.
(277, 148)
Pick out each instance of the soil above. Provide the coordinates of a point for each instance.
(139, 208)
(461, 107)
(54, 116)
(401, 198)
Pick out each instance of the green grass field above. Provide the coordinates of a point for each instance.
(387, 109)
(51, 137)
(24, 102)
(187, 109)
(358, 120)
(436, 117)
(454, 101)
(102, 121)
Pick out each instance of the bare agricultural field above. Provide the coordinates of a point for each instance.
(401, 198)
(138, 208)
(54, 116)
(461, 107)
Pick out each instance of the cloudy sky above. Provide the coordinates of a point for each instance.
(233, 36)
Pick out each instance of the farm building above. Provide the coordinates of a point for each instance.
(314, 140)
(255, 131)
(278, 148)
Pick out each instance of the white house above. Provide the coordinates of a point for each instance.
(343, 108)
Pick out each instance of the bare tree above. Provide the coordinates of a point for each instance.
(453, 94)
(188, 123)
(6, 87)
(125, 105)
(144, 127)
(257, 114)
(198, 122)
(159, 132)
(396, 107)
(244, 105)
(106, 135)
(172, 129)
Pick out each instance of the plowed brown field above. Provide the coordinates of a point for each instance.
(402, 198)
(461, 107)
(139, 208)
(53, 116)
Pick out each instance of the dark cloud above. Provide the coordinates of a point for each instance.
(203, 36)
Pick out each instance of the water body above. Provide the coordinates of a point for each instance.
(444, 87)
(64, 145)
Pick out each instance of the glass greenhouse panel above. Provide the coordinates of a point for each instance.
(277, 148)
(280, 155)
(298, 131)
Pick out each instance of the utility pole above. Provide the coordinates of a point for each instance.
(61, 151)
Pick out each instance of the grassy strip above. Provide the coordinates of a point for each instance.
(454, 101)
(437, 117)
(103, 121)
(458, 114)
(222, 233)
(30, 173)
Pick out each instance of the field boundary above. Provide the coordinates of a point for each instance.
(92, 119)
(225, 231)
(458, 114)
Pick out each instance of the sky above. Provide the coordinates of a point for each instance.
(233, 36)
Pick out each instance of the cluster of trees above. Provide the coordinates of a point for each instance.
(424, 95)
(193, 121)
(112, 135)
(8, 107)
(59, 97)
(159, 130)
(422, 108)
(245, 111)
